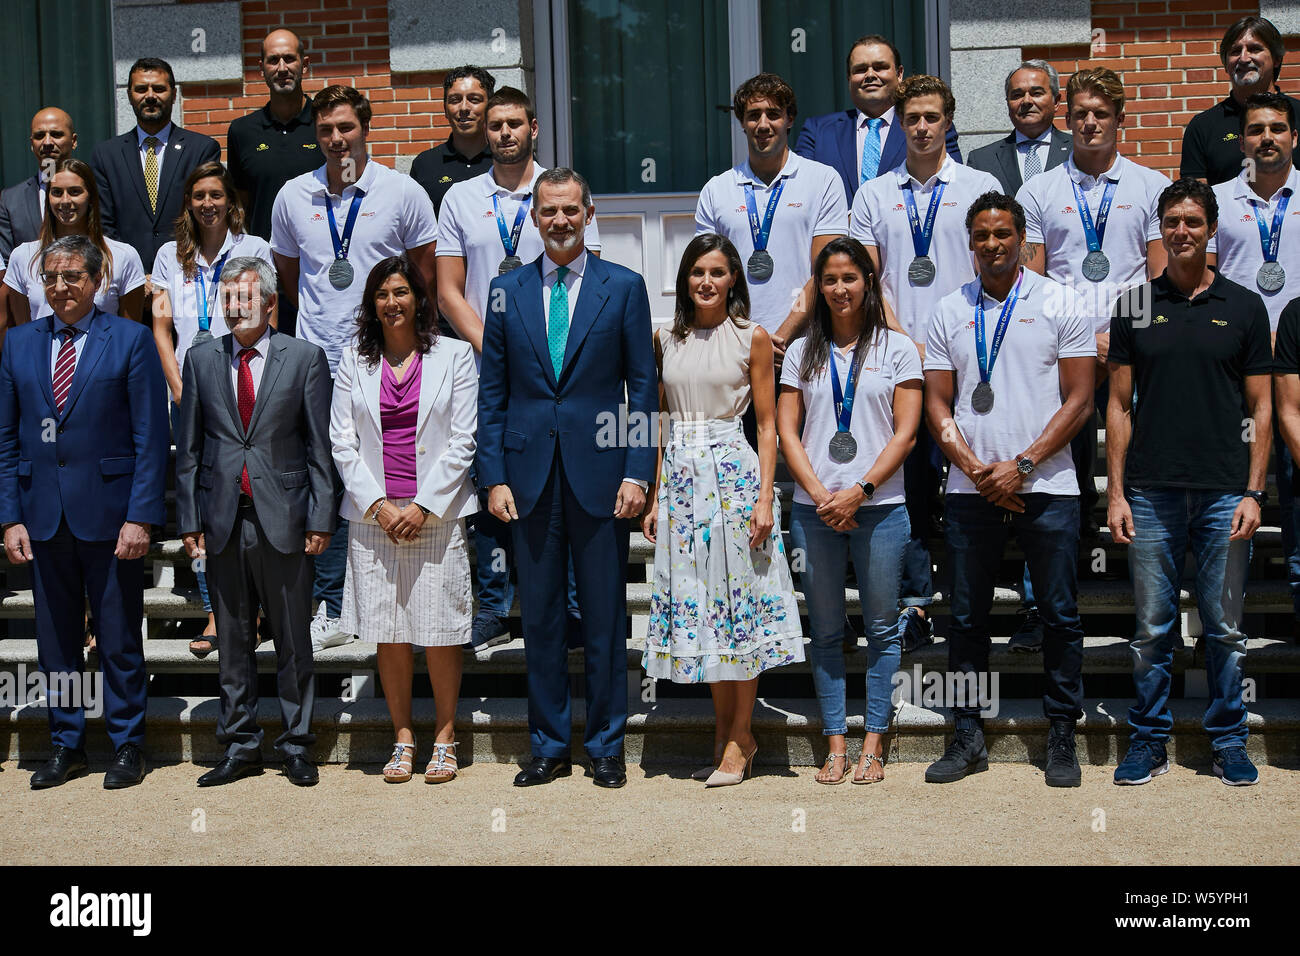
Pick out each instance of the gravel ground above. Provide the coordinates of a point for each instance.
(1004, 816)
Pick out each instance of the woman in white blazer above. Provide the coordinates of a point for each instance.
(403, 424)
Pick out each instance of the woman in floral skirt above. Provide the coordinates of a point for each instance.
(723, 608)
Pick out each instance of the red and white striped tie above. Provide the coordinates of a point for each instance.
(64, 367)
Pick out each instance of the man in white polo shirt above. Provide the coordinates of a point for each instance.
(912, 221)
(329, 228)
(1258, 247)
(1091, 224)
(484, 231)
(1008, 382)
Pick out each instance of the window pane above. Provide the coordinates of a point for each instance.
(807, 43)
(647, 77)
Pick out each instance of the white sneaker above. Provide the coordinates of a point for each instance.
(325, 633)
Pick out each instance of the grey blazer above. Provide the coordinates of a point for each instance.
(20, 215)
(286, 447)
(999, 158)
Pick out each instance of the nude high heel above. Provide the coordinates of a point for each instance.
(720, 779)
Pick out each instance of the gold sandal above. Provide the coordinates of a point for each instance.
(870, 759)
(844, 774)
(398, 768)
(442, 765)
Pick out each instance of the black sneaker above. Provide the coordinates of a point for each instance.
(914, 630)
(965, 755)
(488, 631)
(1028, 638)
(1062, 763)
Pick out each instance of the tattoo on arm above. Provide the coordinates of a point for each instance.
(1029, 251)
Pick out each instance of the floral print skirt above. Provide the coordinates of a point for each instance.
(719, 610)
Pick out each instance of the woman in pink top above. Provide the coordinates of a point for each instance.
(403, 421)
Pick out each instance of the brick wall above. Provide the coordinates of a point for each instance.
(1166, 52)
(346, 44)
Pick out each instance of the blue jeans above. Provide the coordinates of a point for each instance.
(1287, 476)
(1165, 522)
(876, 545)
(921, 472)
(1048, 532)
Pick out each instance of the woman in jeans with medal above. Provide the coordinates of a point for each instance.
(722, 608)
(848, 415)
(209, 231)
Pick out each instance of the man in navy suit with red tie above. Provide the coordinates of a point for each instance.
(867, 140)
(83, 458)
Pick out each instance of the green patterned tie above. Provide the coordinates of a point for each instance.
(557, 331)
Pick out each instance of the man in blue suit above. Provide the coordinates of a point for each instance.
(83, 458)
(566, 342)
(867, 140)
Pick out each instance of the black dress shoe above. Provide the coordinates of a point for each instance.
(543, 770)
(229, 770)
(66, 764)
(300, 770)
(127, 768)
(608, 772)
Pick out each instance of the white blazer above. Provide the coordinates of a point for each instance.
(445, 432)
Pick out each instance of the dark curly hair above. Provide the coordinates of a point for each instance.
(370, 327)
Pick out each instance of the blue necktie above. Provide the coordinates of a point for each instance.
(557, 329)
(871, 150)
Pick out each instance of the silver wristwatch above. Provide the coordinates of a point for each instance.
(1024, 465)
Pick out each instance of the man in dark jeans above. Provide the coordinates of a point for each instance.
(1008, 382)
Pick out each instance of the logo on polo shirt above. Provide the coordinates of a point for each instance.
(970, 324)
(1229, 137)
(793, 205)
(1123, 206)
(1161, 320)
(308, 145)
(1068, 211)
(1027, 320)
(868, 368)
(445, 179)
(741, 208)
(316, 217)
(1219, 321)
(898, 207)
(365, 214)
(489, 214)
(1247, 217)
(262, 146)
(949, 204)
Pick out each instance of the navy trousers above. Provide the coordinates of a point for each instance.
(544, 539)
(64, 571)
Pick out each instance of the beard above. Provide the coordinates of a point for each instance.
(521, 150)
(564, 244)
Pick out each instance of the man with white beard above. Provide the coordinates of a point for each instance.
(255, 500)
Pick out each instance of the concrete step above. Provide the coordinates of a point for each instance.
(1095, 597)
(1101, 655)
(671, 733)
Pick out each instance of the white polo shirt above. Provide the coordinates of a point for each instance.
(888, 363)
(1052, 218)
(1237, 241)
(468, 228)
(128, 275)
(880, 219)
(1049, 323)
(812, 204)
(396, 215)
(184, 292)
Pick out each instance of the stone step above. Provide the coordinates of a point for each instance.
(1101, 655)
(671, 733)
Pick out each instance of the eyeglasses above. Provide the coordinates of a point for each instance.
(69, 276)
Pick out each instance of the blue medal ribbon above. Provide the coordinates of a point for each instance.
(205, 320)
(843, 402)
(510, 238)
(1094, 234)
(341, 244)
(1004, 321)
(921, 235)
(1270, 238)
(763, 231)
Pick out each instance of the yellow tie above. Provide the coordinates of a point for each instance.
(151, 170)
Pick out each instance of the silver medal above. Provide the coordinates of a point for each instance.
(760, 265)
(201, 336)
(982, 398)
(509, 264)
(921, 271)
(1096, 266)
(843, 447)
(340, 273)
(1270, 277)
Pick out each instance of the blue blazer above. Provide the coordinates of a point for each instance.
(526, 417)
(102, 462)
(832, 139)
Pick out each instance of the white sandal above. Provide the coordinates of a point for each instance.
(443, 765)
(398, 768)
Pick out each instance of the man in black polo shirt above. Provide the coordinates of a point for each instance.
(270, 146)
(465, 92)
(1187, 459)
(1252, 53)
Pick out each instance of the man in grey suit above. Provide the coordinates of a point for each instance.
(23, 206)
(1033, 90)
(255, 500)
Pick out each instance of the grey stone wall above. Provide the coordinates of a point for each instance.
(441, 34)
